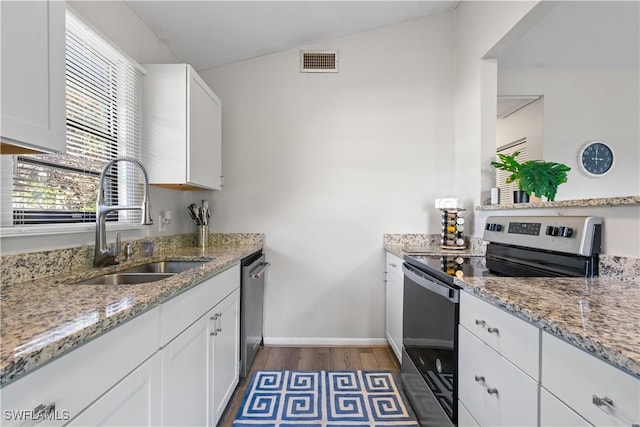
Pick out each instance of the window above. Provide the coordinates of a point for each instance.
(103, 98)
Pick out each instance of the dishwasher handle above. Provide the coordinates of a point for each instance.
(261, 268)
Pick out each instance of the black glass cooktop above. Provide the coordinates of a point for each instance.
(447, 267)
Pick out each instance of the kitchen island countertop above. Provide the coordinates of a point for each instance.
(47, 317)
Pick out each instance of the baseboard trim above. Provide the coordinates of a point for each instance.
(320, 342)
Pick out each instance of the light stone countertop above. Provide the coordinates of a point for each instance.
(600, 315)
(44, 318)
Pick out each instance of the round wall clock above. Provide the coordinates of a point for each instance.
(595, 158)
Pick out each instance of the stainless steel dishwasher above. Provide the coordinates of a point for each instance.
(251, 308)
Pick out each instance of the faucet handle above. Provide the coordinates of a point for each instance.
(116, 246)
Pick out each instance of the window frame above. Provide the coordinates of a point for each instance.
(10, 228)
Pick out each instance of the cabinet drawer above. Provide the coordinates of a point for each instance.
(506, 396)
(555, 413)
(75, 380)
(178, 313)
(514, 338)
(577, 378)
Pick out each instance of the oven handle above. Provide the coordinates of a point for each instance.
(440, 289)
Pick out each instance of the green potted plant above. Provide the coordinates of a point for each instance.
(533, 177)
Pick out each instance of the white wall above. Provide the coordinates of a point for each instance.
(324, 164)
(583, 105)
(118, 23)
(485, 29)
(479, 26)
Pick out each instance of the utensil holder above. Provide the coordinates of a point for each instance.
(202, 236)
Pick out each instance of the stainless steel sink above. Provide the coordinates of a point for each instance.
(125, 278)
(164, 267)
(145, 273)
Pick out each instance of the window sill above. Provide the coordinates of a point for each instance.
(43, 230)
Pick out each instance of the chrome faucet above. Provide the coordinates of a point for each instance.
(103, 255)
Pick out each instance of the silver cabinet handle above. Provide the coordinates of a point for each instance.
(489, 329)
(214, 319)
(392, 265)
(481, 380)
(219, 328)
(608, 403)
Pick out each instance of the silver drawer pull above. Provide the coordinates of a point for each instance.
(608, 403)
(481, 322)
(490, 390)
(493, 331)
(393, 265)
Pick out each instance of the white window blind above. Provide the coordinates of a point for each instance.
(103, 98)
(506, 190)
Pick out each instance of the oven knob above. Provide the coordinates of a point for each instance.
(552, 231)
(566, 231)
(498, 227)
(488, 227)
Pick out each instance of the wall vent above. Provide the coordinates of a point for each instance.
(319, 61)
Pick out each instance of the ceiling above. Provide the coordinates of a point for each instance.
(582, 34)
(208, 34)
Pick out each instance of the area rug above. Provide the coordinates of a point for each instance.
(324, 398)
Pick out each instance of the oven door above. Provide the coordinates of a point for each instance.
(429, 354)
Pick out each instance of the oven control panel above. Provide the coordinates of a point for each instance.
(578, 235)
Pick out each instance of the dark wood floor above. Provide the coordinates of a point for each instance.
(312, 358)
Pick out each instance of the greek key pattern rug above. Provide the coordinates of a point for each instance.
(324, 398)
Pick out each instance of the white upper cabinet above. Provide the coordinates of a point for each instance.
(33, 76)
(183, 129)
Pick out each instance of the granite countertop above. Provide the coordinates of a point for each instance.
(599, 314)
(46, 317)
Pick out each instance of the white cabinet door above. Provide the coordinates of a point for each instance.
(33, 76)
(555, 413)
(183, 129)
(225, 342)
(135, 401)
(599, 392)
(205, 135)
(393, 303)
(75, 380)
(495, 391)
(513, 338)
(185, 372)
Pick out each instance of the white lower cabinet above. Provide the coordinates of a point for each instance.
(200, 367)
(225, 343)
(495, 391)
(175, 365)
(185, 372)
(71, 384)
(498, 364)
(393, 303)
(599, 392)
(555, 413)
(134, 401)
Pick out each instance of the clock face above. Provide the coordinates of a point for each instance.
(595, 158)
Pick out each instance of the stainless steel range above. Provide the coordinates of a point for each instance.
(519, 246)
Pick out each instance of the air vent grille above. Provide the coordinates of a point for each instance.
(325, 61)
